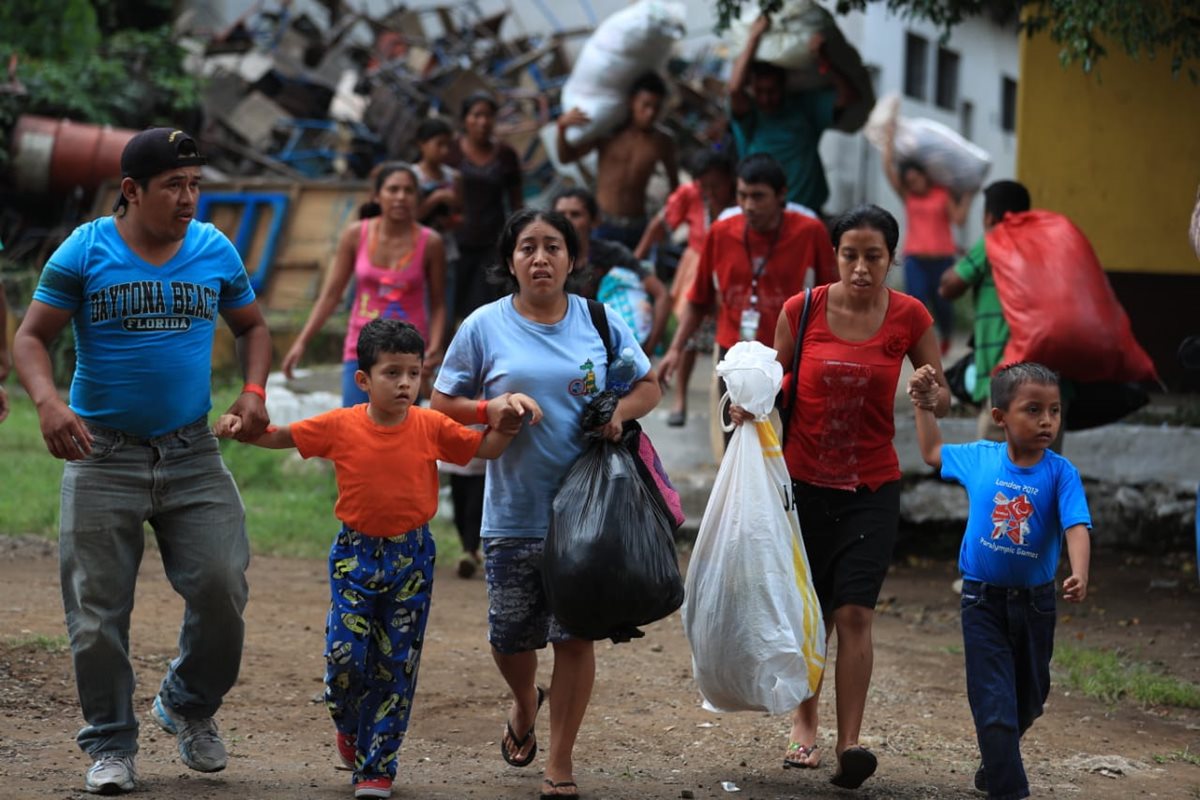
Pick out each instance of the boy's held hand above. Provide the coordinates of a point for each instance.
(923, 388)
(227, 426)
(1075, 589)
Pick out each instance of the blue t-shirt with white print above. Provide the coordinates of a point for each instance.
(1017, 515)
(561, 366)
(143, 333)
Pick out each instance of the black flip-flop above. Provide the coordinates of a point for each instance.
(855, 765)
(558, 785)
(520, 742)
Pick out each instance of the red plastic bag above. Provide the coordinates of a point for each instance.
(1060, 308)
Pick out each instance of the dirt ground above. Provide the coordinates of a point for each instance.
(645, 735)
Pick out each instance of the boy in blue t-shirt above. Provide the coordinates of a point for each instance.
(1024, 500)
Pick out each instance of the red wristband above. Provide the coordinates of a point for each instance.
(481, 414)
(254, 388)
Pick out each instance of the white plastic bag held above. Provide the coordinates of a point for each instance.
(751, 613)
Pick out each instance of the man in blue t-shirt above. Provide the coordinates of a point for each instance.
(142, 290)
(1024, 500)
(785, 125)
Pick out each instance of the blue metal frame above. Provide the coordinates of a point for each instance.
(252, 204)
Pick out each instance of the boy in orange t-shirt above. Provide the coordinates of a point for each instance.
(385, 456)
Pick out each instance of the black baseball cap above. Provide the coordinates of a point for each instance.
(157, 150)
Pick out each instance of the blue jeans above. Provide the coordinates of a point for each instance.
(177, 483)
(1008, 640)
(922, 274)
(380, 589)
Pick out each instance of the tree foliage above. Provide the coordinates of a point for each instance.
(80, 60)
(1082, 28)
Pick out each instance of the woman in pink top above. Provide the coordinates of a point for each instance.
(399, 267)
(929, 247)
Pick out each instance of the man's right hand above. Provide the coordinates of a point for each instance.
(760, 26)
(64, 432)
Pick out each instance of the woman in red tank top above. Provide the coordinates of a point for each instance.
(929, 246)
(839, 453)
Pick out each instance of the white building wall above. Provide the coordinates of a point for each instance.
(987, 52)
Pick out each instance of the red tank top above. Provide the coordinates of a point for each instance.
(928, 217)
(841, 430)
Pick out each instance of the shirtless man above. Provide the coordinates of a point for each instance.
(627, 159)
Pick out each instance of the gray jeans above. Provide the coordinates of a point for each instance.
(179, 484)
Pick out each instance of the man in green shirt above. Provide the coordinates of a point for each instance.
(991, 328)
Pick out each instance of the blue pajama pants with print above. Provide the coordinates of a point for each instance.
(381, 591)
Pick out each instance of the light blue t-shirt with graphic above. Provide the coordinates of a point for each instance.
(561, 366)
(143, 333)
(1017, 515)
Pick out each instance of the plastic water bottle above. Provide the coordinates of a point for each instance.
(622, 373)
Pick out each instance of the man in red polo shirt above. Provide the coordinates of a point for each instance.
(752, 263)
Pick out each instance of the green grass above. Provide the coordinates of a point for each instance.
(50, 644)
(289, 505)
(1112, 676)
(1184, 756)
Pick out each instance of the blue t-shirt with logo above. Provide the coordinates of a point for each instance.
(143, 333)
(561, 366)
(1017, 514)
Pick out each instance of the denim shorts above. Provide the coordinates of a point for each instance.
(519, 619)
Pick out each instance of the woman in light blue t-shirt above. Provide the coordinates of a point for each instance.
(539, 340)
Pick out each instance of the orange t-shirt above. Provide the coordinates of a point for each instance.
(386, 476)
(725, 270)
(928, 217)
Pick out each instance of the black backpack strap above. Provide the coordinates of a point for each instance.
(797, 346)
(600, 321)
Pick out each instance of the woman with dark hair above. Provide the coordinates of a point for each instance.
(930, 211)
(542, 339)
(399, 267)
(490, 180)
(839, 453)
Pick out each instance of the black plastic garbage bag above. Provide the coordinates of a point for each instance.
(609, 560)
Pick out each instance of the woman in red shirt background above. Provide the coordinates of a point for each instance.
(839, 452)
(929, 246)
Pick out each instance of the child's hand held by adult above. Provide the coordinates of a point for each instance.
(227, 426)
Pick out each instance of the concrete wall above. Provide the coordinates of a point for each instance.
(1119, 153)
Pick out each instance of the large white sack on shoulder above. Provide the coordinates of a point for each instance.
(750, 612)
(786, 42)
(948, 158)
(633, 41)
(753, 375)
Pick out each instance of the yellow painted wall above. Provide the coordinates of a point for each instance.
(1118, 152)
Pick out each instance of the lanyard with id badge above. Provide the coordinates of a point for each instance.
(751, 316)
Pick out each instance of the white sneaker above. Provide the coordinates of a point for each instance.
(111, 775)
(200, 746)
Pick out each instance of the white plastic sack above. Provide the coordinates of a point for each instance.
(786, 42)
(751, 613)
(949, 159)
(635, 40)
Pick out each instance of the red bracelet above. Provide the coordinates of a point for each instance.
(254, 388)
(481, 414)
